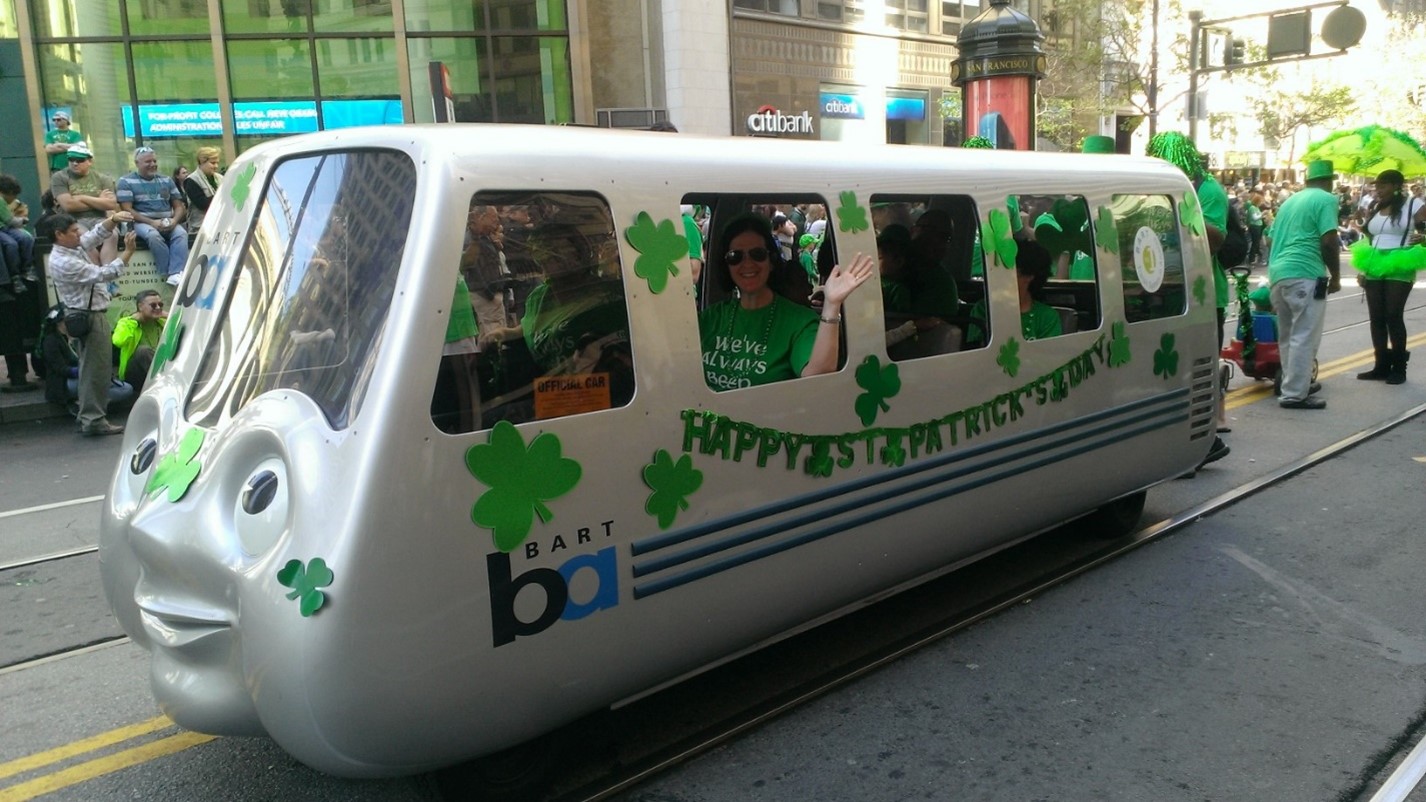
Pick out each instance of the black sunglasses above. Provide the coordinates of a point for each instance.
(733, 258)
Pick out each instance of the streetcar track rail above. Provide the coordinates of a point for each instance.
(46, 558)
(627, 777)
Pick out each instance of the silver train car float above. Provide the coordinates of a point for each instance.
(450, 440)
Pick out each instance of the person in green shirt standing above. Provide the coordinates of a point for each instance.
(1305, 249)
(58, 140)
(1180, 151)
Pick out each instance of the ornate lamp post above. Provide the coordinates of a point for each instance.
(1000, 61)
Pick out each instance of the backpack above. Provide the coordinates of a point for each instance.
(1234, 250)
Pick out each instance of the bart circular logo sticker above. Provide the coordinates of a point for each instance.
(1149, 259)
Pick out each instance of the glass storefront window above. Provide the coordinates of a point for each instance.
(442, 15)
(533, 85)
(356, 16)
(90, 81)
(174, 71)
(169, 17)
(364, 67)
(270, 68)
(265, 16)
(466, 60)
(76, 18)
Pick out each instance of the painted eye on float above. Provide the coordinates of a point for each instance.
(260, 511)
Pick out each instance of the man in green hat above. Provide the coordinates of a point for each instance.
(1305, 249)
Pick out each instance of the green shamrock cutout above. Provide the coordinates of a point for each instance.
(1009, 357)
(880, 384)
(242, 185)
(672, 483)
(168, 347)
(851, 216)
(999, 241)
(659, 246)
(1166, 358)
(1190, 214)
(520, 480)
(177, 470)
(819, 462)
(1118, 345)
(893, 453)
(305, 582)
(1200, 290)
(1105, 232)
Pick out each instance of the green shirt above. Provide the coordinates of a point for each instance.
(462, 320)
(59, 161)
(1040, 322)
(694, 237)
(1213, 199)
(129, 334)
(1297, 235)
(561, 319)
(749, 347)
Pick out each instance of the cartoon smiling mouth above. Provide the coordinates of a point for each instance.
(176, 624)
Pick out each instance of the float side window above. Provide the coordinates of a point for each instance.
(1063, 225)
(539, 324)
(1150, 257)
(925, 257)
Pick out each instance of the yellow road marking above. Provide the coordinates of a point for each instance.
(1247, 395)
(98, 767)
(89, 744)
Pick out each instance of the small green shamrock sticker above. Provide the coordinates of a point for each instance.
(672, 483)
(1200, 290)
(1166, 358)
(520, 481)
(168, 347)
(659, 246)
(242, 185)
(851, 216)
(177, 470)
(819, 462)
(1190, 214)
(1118, 345)
(999, 241)
(880, 384)
(1009, 357)
(893, 453)
(305, 581)
(1105, 232)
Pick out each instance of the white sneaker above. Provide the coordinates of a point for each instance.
(175, 279)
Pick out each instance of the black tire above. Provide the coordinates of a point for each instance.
(522, 772)
(1115, 519)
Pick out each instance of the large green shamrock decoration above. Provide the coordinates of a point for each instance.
(880, 384)
(1166, 358)
(177, 470)
(305, 582)
(1009, 358)
(242, 185)
(672, 483)
(659, 246)
(1191, 214)
(999, 241)
(1200, 291)
(520, 480)
(1104, 230)
(168, 347)
(1118, 345)
(851, 216)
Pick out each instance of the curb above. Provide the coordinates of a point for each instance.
(27, 410)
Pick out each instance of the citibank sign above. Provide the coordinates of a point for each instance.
(768, 120)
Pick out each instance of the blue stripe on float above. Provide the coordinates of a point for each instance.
(658, 586)
(662, 541)
(662, 563)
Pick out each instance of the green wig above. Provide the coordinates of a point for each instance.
(1178, 150)
(978, 142)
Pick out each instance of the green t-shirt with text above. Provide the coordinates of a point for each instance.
(558, 327)
(749, 347)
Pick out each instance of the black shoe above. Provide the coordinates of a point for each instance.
(1306, 403)
(1217, 451)
(101, 430)
(1312, 390)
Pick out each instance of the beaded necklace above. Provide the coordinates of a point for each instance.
(771, 312)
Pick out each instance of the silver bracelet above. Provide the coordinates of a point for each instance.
(832, 321)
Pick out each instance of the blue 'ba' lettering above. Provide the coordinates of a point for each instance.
(505, 626)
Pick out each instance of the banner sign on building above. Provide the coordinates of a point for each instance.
(841, 107)
(258, 118)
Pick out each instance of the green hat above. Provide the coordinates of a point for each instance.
(1322, 168)
(1097, 143)
(1178, 150)
(806, 240)
(979, 142)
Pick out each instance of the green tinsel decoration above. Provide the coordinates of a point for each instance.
(1178, 150)
(978, 142)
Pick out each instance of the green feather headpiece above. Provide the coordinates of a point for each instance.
(978, 142)
(1178, 150)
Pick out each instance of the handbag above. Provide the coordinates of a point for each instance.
(76, 321)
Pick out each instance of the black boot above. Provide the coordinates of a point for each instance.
(1398, 367)
(1382, 369)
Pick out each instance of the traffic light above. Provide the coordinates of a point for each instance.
(1233, 52)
